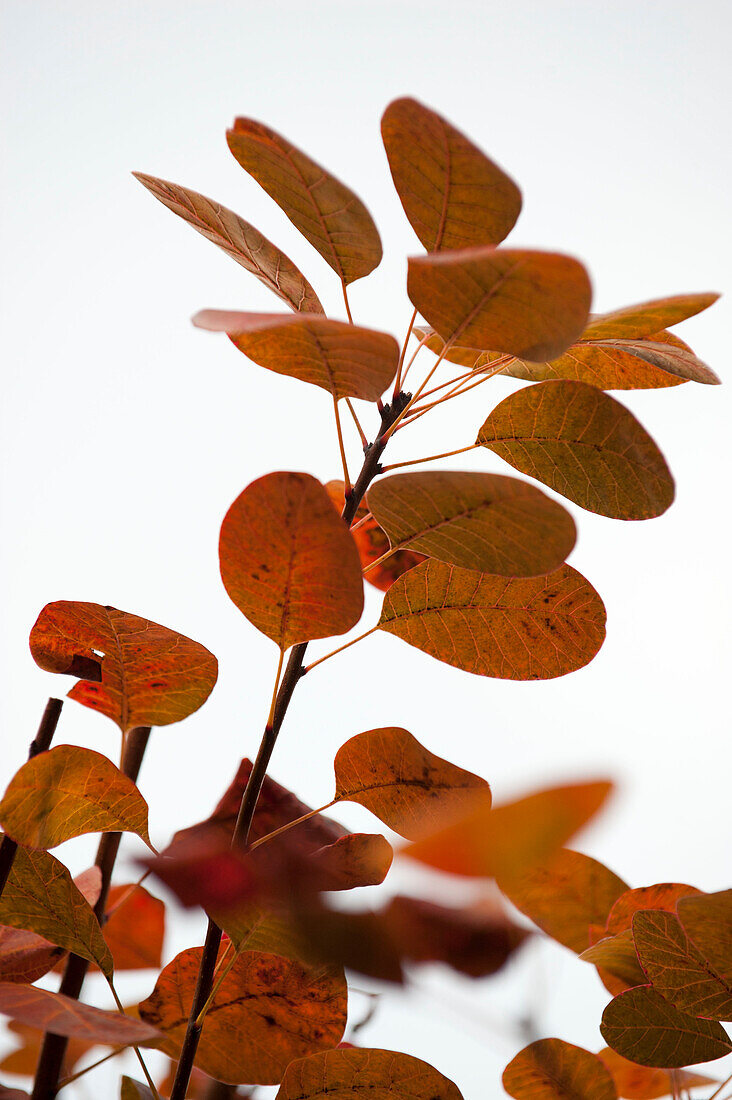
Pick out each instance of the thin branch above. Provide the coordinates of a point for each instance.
(357, 422)
(346, 478)
(427, 458)
(340, 649)
(364, 519)
(350, 321)
(291, 825)
(140, 1059)
(722, 1086)
(398, 378)
(457, 392)
(422, 343)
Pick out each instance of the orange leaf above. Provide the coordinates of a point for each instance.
(636, 1082)
(67, 792)
(565, 895)
(551, 1069)
(584, 445)
(357, 859)
(24, 1059)
(343, 359)
(531, 628)
(452, 194)
(64, 1016)
(151, 676)
(662, 895)
(617, 955)
(237, 239)
(407, 787)
(135, 928)
(267, 1011)
(13, 1094)
(529, 304)
(372, 542)
(326, 212)
(502, 841)
(471, 358)
(677, 969)
(344, 1074)
(478, 521)
(646, 318)
(707, 919)
(642, 1026)
(288, 562)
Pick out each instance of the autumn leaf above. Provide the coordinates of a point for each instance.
(378, 1074)
(617, 955)
(268, 1010)
(237, 239)
(565, 895)
(134, 1090)
(135, 928)
(288, 562)
(407, 787)
(644, 1027)
(452, 194)
(151, 676)
(531, 628)
(24, 1059)
(485, 522)
(645, 318)
(372, 542)
(65, 1016)
(636, 1082)
(502, 841)
(326, 212)
(662, 895)
(707, 919)
(69, 791)
(357, 859)
(266, 930)
(551, 1069)
(584, 445)
(677, 969)
(13, 1094)
(529, 304)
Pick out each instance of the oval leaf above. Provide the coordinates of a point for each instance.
(151, 676)
(288, 561)
(478, 521)
(502, 842)
(343, 359)
(267, 1011)
(377, 1074)
(408, 788)
(551, 1069)
(707, 918)
(642, 1026)
(630, 322)
(677, 969)
(662, 895)
(645, 1083)
(69, 791)
(358, 859)
(238, 239)
(64, 1016)
(452, 194)
(584, 445)
(529, 304)
(326, 212)
(531, 628)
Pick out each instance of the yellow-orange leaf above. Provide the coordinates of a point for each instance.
(644, 1027)
(69, 791)
(677, 969)
(452, 194)
(135, 928)
(635, 1082)
(551, 1069)
(237, 239)
(41, 897)
(64, 1016)
(408, 788)
(530, 628)
(267, 1011)
(584, 445)
(565, 895)
(503, 841)
(288, 561)
(376, 1074)
(707, 918)
(470, 358)
(478, 521)
(343, 359)
(662, 895)
(617, 955)
(529, 304)
(645, 318)
(326, 212)
(151, 676)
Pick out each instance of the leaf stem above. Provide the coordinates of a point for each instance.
(402, 354)
(348, 314)
(357, 422)
(722, 1086)
(220, 977)
(415, 462)
(270, 716)
(291, 824)
(364, 519)
(99, 1062)
(346, 477)
(140, 1059)
(347, 645)
(415, 353)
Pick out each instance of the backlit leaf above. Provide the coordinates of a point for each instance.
(24, 1059)
(452, 194)
(584, 445)
(565, 895)
(151, 676)
(503, 841)
(135, 928)
(288, 561)
(645, 318)
(551, 1069)
(642, 1026)
(408, 788)
(529, 304)
(267, 1011)
(485, 522)
(530, 628)
(67, 792)
(662, 895)
(357, 859)
(358, 941)
(252, 929)
(372, 542)
(707, 918)
(238, 239)
(64, 1016)
(376, 1074)
(617, 955)
(635, 1082)
(677, 969)
(41, 897)
(343, 359)
(325, 211)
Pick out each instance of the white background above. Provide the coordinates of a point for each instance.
(127, 433)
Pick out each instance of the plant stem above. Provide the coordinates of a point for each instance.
(40, 743)
(347, 645)
(350, 321)
(357, 422)
(398, 379)
(140, 1059)
(53, 1050)
(339, 430)
(291, 825)
(415, 462)
(722, 1086)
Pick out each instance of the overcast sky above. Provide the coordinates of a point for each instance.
(127, 433)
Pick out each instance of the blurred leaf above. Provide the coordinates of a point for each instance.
(372, 542)
(134, 1090)
(635, 1082)
(24, 1059)
(452, 194)
(325, 211)
(357, 859)
(646, 318)
(288, 562)
(343, 1074)
(584, 445)
(135, 928)
(617, 955)
(531, 628)
(662, 895)
(65, 1016)
(551, 1069)
(707, 918)
(677, 969)
(642, 1026)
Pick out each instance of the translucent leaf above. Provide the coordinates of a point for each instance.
(376, 1074)
(677, 968)
(551, 1069)
(645, 318)
(642, 1026)
(636, 1082)
(64, 1016)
